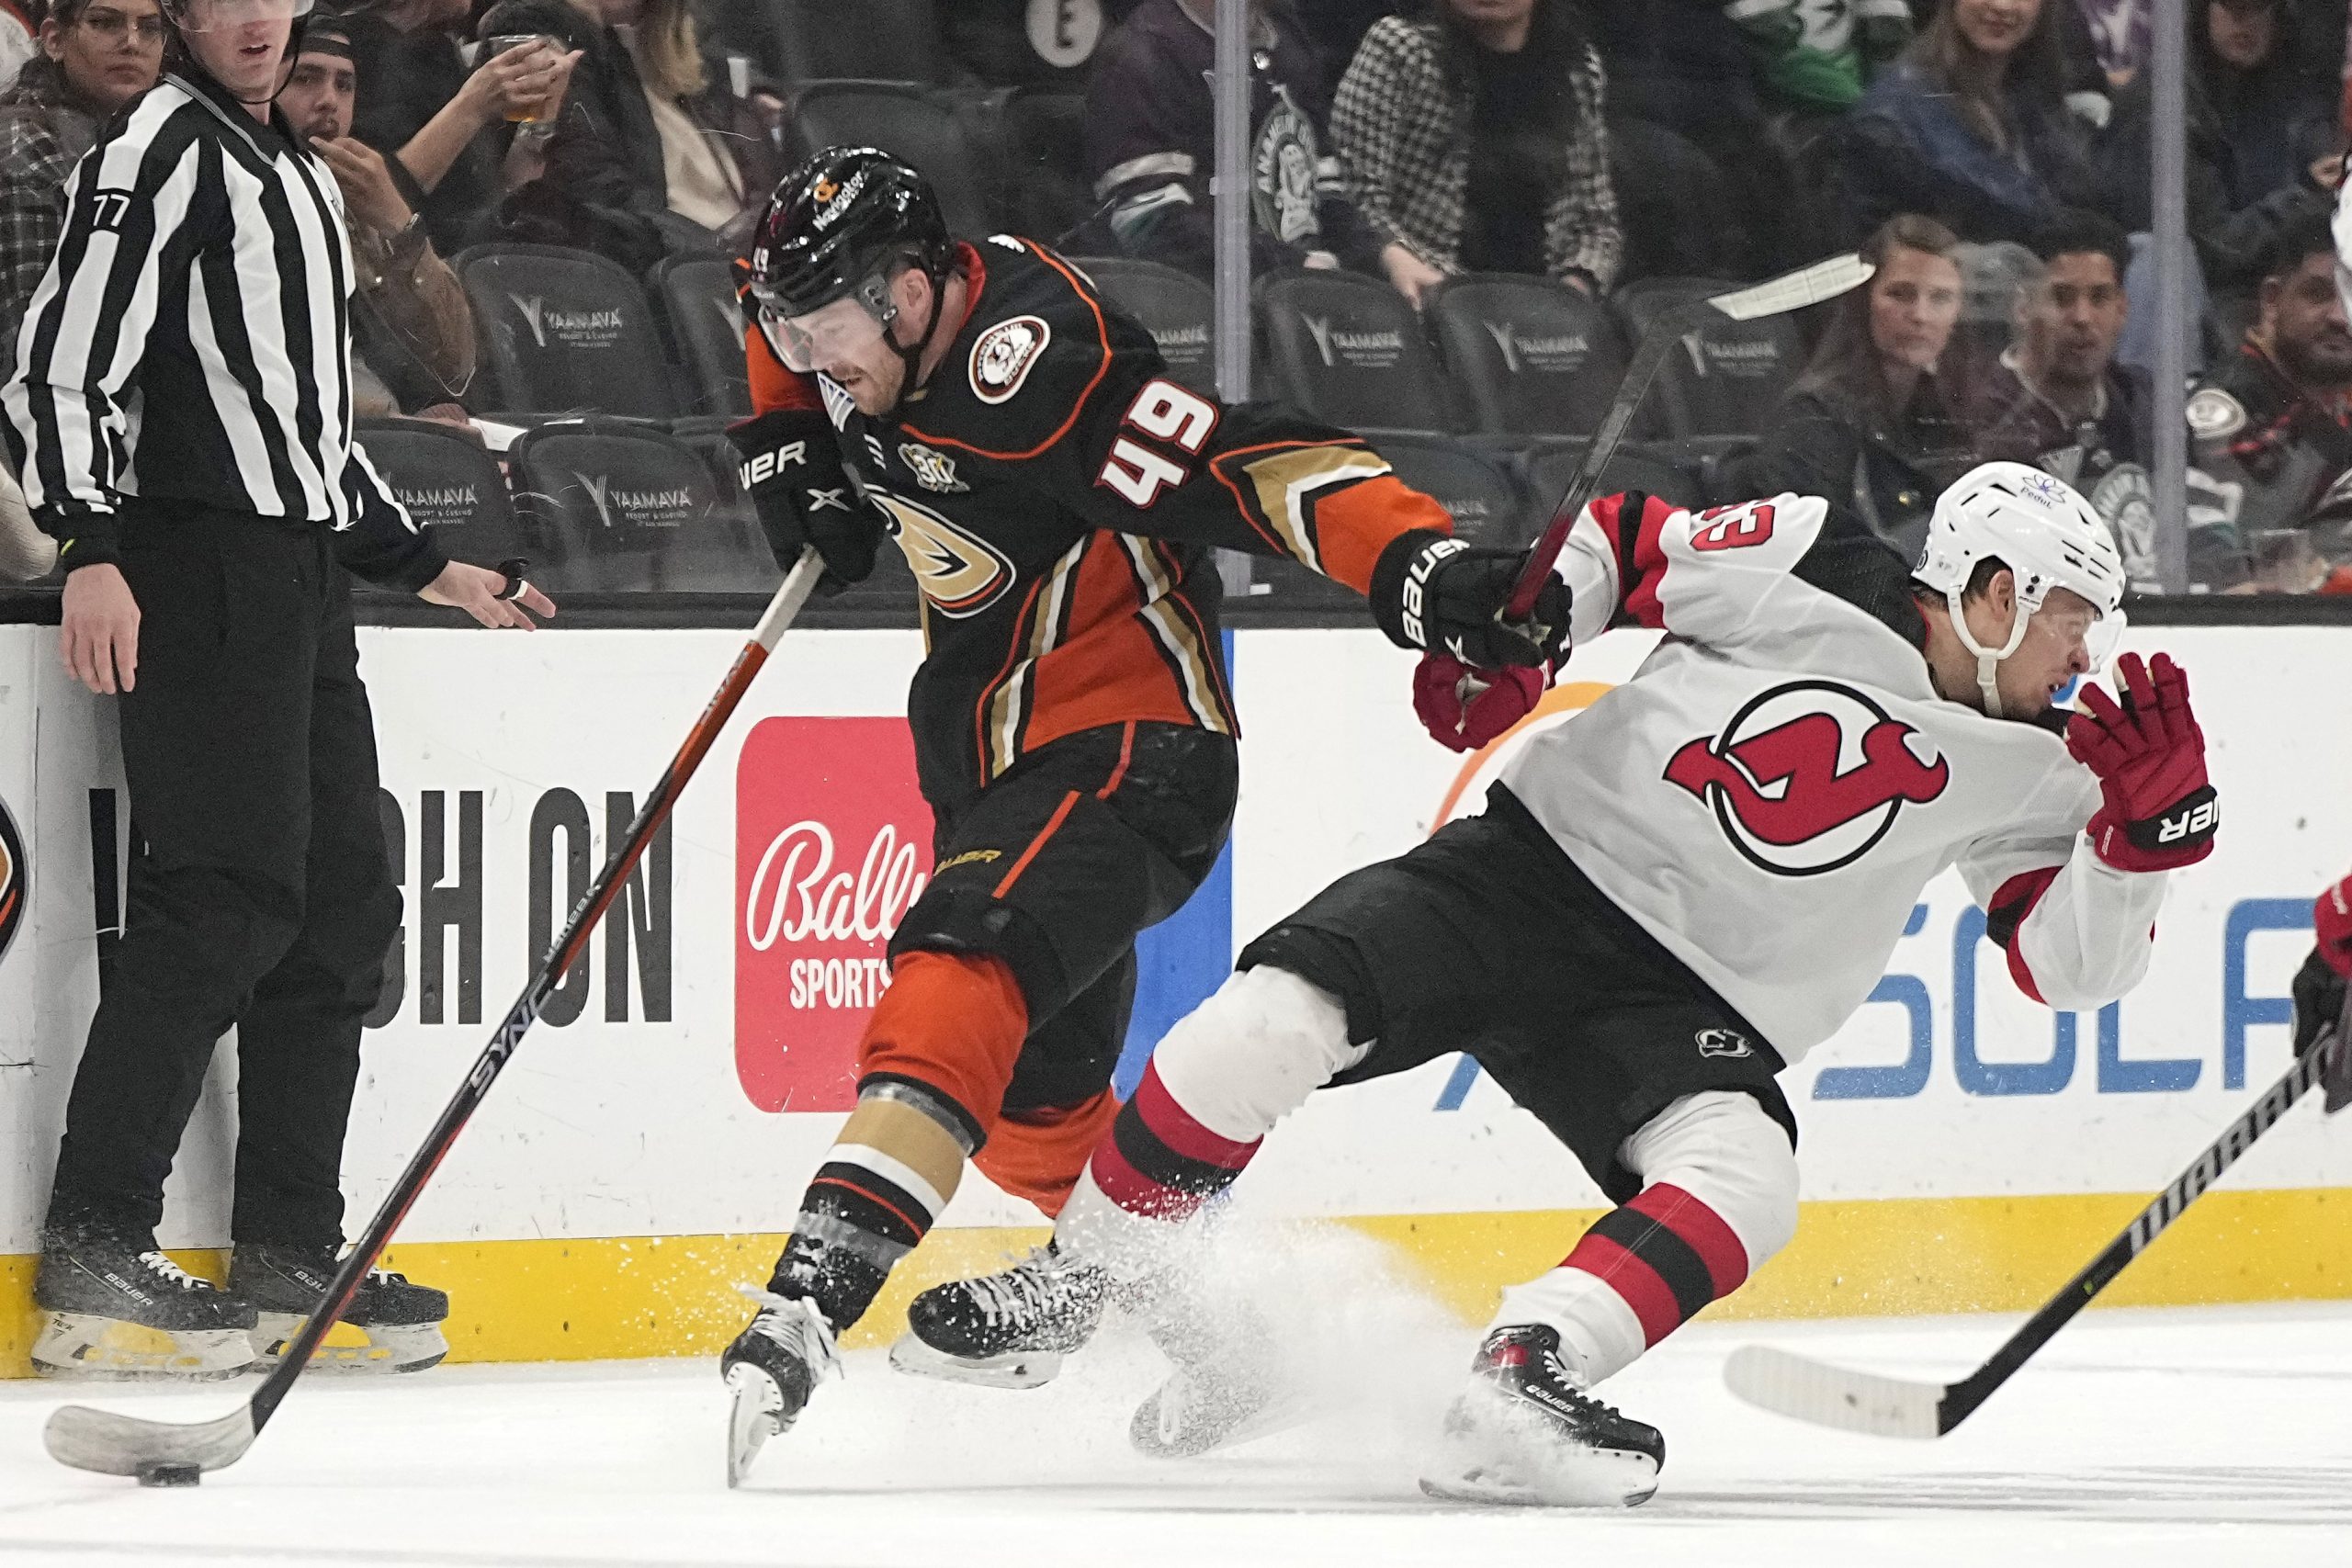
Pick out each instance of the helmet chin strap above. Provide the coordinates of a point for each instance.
(1988, 663)
(912, 358)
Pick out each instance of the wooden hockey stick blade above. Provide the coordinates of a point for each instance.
(1807, 1390)
(1774, 296)
(114, 1444)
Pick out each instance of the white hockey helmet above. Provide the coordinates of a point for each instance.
(2047, 535)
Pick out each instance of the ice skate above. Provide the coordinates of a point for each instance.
(1524, 1434)
(392, 1326)
(119, 1309)
(1228, 1382)
(771, 1369)
(1004, 1330)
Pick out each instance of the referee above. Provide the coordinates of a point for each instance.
(180, 413)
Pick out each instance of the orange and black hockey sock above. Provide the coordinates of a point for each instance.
(941, 1043)
(1159, 1162)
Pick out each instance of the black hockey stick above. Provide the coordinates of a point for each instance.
(1807, 1390)
(164, 1453)
(1774, 297)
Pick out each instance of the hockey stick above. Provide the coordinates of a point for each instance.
(176, 1453)
(1807, 1390)
(1774, 297)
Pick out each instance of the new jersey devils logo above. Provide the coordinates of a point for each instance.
(1809, 776)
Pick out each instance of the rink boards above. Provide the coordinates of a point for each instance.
(1962, 1148)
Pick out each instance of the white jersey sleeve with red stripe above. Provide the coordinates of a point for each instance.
(2079, 932)
(1712, 576)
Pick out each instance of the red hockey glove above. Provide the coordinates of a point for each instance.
(2332, 919)
(1464, 708)
(2159, 811)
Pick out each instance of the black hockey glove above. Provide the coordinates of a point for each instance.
(2320, 987)
(1431, 591)
(792, 469)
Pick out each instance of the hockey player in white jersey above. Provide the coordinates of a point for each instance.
(1665, 903)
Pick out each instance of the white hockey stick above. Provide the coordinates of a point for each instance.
(1807, 1390)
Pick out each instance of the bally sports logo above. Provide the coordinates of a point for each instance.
(832, 846)
(1809, 776)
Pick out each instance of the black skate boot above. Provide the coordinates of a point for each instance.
(1523, 1433)
(391, 1326)
(771, 1369)
(1005, 1330)
(119, 1309)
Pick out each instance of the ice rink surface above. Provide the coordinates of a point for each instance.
(2142, 1438)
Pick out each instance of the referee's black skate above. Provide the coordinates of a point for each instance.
(392, 1326)
(1523, 1433)
(771, 1369)
(117, 1308)
(1005, 1330)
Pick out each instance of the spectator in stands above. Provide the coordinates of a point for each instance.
(447, 124)
(1815, 56)
(1971, 127)
(632, 169)
(2060, 399)
(2107, 41)
(2272, 429)
(1471, 140)
(1702, 185)
(2260, 126)
(1151, 144)
(95, 56)
(413, 336)
(1871, 424)
(19, 42)
(1017, 43)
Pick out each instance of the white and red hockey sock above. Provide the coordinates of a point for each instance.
(1224, 1075)
(1722, 1199)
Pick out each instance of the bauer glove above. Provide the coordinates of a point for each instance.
(2157, 812)
(792, 469)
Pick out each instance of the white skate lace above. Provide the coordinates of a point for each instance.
(794, 1323)
(171, 1273)
(1018, 1293)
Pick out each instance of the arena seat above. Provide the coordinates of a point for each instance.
(695, 302)
(1724, 379)
(809, 41)
(1532, 356)
(1543, 470)
(905, 121)
(616, 505)
(564, 331)
(1348, 349)
(451, 485)
(1178, 309)
(1040, 152)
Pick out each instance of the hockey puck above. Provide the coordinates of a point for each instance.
(166, 1473)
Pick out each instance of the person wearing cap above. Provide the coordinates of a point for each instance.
(412, 332)
(180, 416)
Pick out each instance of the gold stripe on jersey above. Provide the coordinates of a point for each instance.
(1286, 484)
(1048, 624)
(1195, 676)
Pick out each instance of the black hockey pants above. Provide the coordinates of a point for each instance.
(261, 898)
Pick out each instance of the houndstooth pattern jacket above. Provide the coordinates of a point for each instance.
(1404, 140)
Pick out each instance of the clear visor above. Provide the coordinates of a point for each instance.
(2101, 636)
(826, 335)
(227, 15)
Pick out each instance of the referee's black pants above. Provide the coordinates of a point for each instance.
(261, 898)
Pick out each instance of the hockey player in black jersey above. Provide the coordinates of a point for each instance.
(1056, 496)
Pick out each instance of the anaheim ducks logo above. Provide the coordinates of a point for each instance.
(961, 575)
(15, 880)
(1809, 776)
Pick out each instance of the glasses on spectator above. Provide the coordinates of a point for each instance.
(115, 24)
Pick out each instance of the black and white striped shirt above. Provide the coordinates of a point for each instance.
(191, 340)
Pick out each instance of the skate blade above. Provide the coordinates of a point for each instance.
(755, 1415)
(1180, 1422)
(350, 1347)
(79, 1345)
(1534, 1469)
(1029, 1368)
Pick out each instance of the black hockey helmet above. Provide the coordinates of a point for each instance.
(840, 228)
